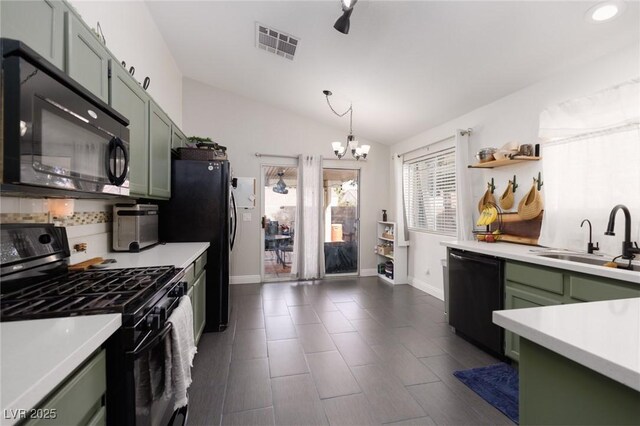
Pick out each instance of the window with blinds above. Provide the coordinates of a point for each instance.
(430, 192)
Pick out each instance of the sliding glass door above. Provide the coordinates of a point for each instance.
(341, 221)
(278, 221)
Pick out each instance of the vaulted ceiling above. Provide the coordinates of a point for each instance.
(406, 66)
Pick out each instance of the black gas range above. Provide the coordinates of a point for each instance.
(36, 284)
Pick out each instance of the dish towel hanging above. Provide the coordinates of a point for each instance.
(180, 349)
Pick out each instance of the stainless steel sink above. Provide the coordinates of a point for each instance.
(588, 259)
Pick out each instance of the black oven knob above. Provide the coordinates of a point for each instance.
(179, 290)
(161, 311)
(154, 322)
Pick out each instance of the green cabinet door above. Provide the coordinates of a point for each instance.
(200, 305)
(159, 152)
(518, 298)
(80, 399)
(589, 288)
(87, 61)
(178, 139)
(37, 23)
(129, 99)
(191, 295)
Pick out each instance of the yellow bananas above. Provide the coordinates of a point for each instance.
(488, 216)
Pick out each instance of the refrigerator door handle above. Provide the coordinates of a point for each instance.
(234, 219)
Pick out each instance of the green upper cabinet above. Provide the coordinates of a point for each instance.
(159, 152)
(178, 139)
(39, 24)
(87, 60)
(129, 99)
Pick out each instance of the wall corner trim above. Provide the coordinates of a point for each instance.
(427, 288)
(244, 279)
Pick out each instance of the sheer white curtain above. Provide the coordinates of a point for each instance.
(591, 162)
(308, 241)
(402, 233)
(463, 189)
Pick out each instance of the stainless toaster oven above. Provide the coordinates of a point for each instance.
(135, 226)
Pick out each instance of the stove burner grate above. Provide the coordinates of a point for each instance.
(87, 292)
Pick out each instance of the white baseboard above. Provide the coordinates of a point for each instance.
(373, 272)
(427, 288)
(244, 279)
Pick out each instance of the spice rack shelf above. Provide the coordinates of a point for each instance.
(503, 162)
(385, 233)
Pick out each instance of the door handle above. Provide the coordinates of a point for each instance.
(264, 222)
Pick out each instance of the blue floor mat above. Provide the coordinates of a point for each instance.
(497, 384)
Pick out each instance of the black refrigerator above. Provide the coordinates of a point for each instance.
(202, 209)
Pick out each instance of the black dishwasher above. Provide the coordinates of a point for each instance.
(476, 289)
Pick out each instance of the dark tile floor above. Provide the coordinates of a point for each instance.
(350, 351)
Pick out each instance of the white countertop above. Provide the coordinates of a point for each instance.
(179, 255)
(603, 336)
(524, 253)
(37, 355)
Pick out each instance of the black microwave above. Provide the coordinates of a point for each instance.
(57, 138)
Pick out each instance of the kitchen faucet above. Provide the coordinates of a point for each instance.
(628, 250)
(590, 247)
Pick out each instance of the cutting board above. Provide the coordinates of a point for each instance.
(84, 265)
(520, 240)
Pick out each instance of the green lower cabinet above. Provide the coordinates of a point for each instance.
(191, 296)
(586, 288)
(79, 400)
(529, 286)
(200, 306)
(518, 298)
(557, 391)
(37, 23)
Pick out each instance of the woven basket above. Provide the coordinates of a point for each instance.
(531, 204)
(201, 154)
(486, 198)
(507, 198)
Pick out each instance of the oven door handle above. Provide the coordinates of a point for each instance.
(144, 346)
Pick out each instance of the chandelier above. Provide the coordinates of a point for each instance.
(339, 150)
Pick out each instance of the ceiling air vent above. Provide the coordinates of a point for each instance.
(275, 41)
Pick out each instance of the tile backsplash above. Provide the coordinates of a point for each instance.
(78, 218)
(90, 222)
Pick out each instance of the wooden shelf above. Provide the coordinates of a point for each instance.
(385, 255)
(386, 239)
(504, 162)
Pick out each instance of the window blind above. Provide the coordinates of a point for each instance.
(430, 192)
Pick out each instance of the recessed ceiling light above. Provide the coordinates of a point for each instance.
(603, 12)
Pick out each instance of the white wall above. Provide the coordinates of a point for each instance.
(247, 127)
(512, 118)
(133, 36)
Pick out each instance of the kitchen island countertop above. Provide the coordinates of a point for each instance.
(603, 336)
(524, 253)
(38, 355)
